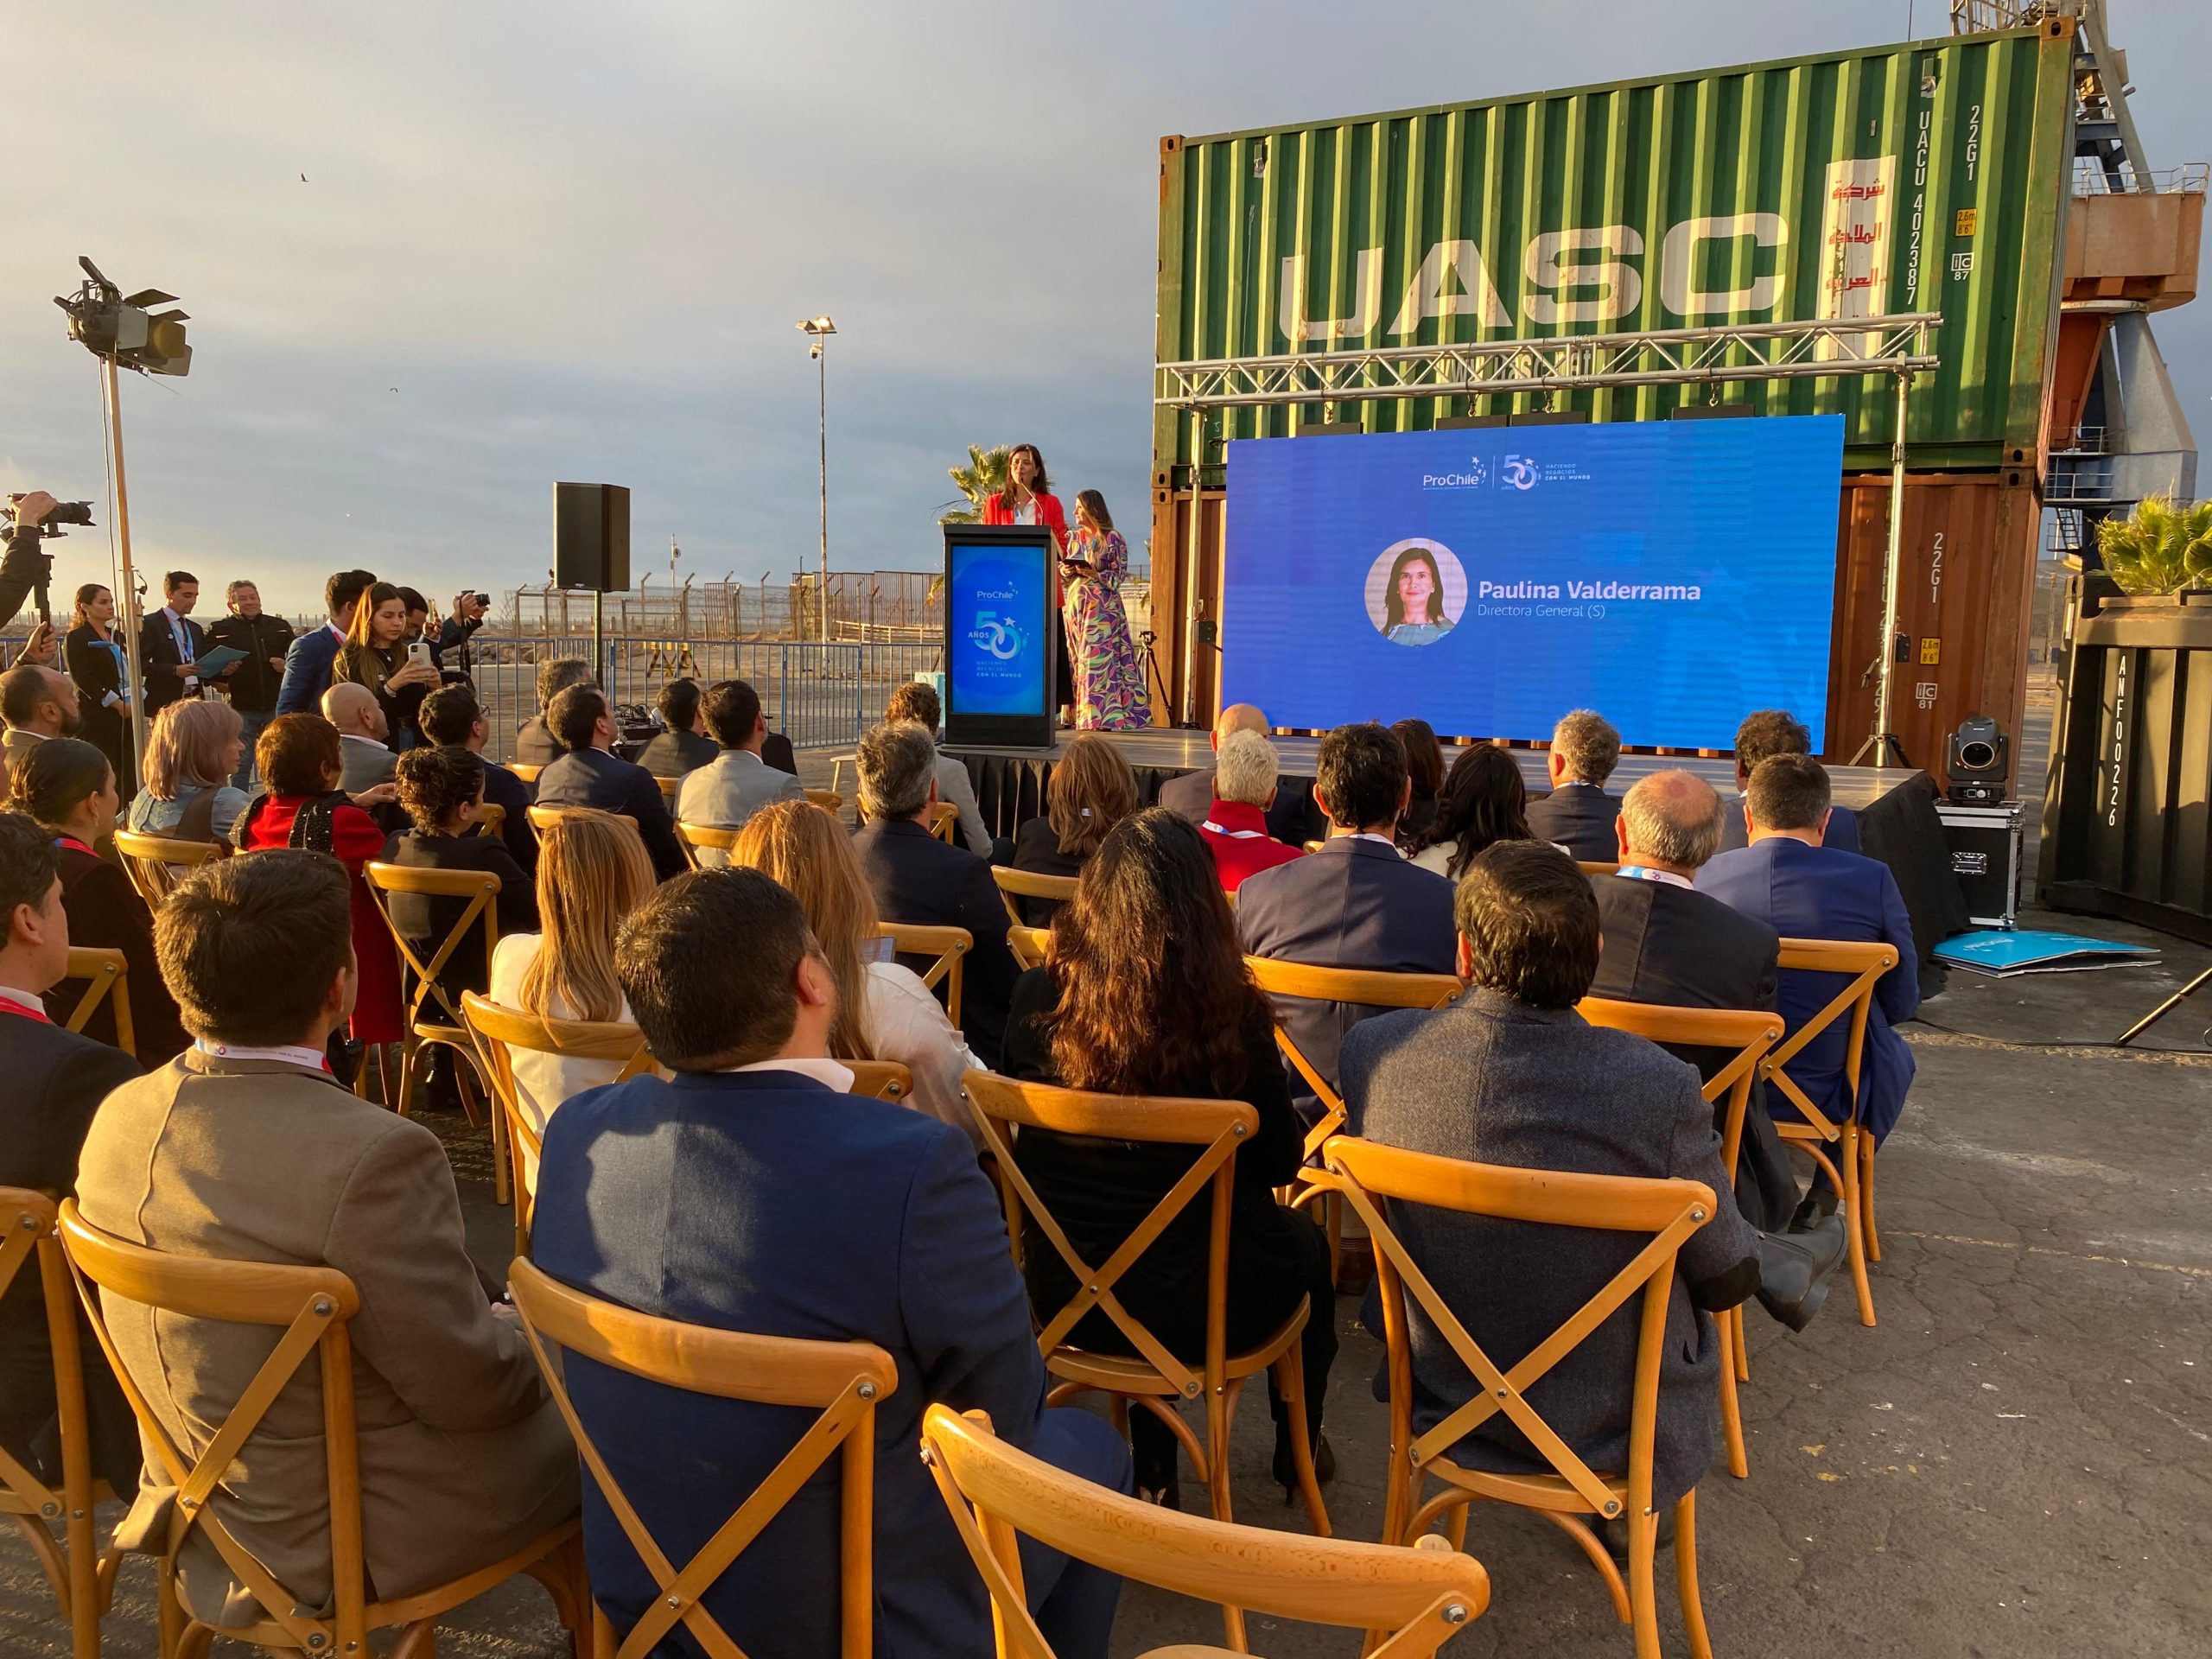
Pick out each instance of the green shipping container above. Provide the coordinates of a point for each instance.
(1916, 177)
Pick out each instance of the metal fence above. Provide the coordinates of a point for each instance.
(818, 695)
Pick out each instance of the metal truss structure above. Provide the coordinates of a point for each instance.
(1820, 348)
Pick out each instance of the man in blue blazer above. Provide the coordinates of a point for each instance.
(1764, 733)
(591, 774)
(307, 663)
(1804, 889)
(1356, 902)
(753, 1193)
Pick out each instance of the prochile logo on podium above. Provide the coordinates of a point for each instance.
(998, 636)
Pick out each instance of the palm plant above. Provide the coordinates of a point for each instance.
(983, 476)
(2160, 548)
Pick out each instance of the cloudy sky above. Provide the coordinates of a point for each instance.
(571, 241)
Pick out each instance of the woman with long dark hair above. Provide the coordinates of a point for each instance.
(1145, 992)
(1027, 499)
(67, 785)
(1413, 605)
(1425, 766)
(96, 662)
(375, 655)
(1483, 800)
(1107, 679)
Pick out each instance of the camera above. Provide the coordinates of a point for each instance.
(61, 512)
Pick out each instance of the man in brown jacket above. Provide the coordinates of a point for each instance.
(245, 1148)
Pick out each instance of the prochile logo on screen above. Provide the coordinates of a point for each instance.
(1512, 470)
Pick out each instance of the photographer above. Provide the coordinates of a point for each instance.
(24, 565)
(468, 616)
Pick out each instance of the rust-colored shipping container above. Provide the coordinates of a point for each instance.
(1966, 584)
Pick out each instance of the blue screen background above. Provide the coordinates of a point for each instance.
(1744, 510)
(1001, 604)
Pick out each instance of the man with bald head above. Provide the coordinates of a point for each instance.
(354, 710)
(1292, 820)
(37, 703)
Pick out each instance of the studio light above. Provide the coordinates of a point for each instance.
(1978, 759)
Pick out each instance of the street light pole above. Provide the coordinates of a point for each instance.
(818, 330)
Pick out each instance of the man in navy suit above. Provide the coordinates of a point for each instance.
(1764, 733)
(590, 773)
(1578, 814)
(170, 643)
(919, 879)
(307, 664)
(1356, 902)
(1804, 889)
(56, 1080)
(753, 1193)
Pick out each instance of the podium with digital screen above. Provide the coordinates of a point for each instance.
(1000, 637)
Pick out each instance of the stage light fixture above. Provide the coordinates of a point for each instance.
(1978, 759)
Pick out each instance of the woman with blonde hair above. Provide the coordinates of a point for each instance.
(884, 1011)
(375, 655)
(1091, 788)
(592, 872)
(193, 750)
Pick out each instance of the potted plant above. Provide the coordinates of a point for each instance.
(2158, 552)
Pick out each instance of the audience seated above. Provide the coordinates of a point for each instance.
(300, 759)
(246, 1149)
(1293, 820)
(1510, 1074)
(592, 872)
(1236, 828)
(884, 1011)
(1578, 814)
(1424, 766)
(1789, 879)
(368, 758)
(534, 744)
(441, 790)
(1091, 788)
(736, 783)
(55, 1080)
(917, 700)
(590, 773)
(1766, 732)
(920, 880)
(1147, 993)
(37, 702)
(193, 750)
(1356, 902)
(68, 787)
(453, 719)
(683, 746)
(1484, 801)
(752, 1193)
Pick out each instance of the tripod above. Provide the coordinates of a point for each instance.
(1148, 640)
(2162, 1009)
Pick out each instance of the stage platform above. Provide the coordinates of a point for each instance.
(1896, 806)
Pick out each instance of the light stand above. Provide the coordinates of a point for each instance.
(1882, 742)
(132, 651)
(818, 330)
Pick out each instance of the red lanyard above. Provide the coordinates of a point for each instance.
(74, 845)
(21, 1011)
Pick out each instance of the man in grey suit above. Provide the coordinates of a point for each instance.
(1510, 1074)
(737, 783)
(1578, 814)
(917, 700)
(362, 728)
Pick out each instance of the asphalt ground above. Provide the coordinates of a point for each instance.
(2016, 1461)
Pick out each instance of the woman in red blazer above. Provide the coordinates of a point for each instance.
(1027, 499)
(68, 786)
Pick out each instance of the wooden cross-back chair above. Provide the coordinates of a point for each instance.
(944, 822)
(1596, 867)
(499, 1030)
(1029, 884)
(478, 890)
(879, 1079)
(83, 1577)
(828, 799)
(1421, 1597)
(526, 772)
(1360, 986)
(669, 789)
(1841, 1148)
(948, 945)
(1151, 1376)
(156, 863)
(311, 1305)
(695, 838)
(1669, 1211)
(1749, 1034)
(844, 1381)
(1030, 945)
(491, 820)
(106, 973)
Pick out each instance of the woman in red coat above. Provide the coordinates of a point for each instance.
(1027, 499)
(68, 786)
(299, 758)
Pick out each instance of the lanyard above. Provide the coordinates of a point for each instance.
(1639, 872)
(27, 1009)
(70, 844)
(1211, 828)
(291, 1054)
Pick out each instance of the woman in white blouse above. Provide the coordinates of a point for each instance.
(592, 872)
(884, 1011)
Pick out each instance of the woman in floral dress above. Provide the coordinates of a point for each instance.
(1110, 694)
